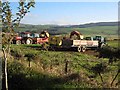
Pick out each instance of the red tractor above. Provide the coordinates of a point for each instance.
(40, 39)
(31, 38)
(22, 38)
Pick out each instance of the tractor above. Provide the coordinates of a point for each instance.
(31, 38)
(23, 38)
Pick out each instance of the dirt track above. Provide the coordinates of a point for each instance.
(92, 52)
(89, 51)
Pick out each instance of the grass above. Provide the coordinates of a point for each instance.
(48, 69)
(100, 30)
(107, 31)
(113, 43)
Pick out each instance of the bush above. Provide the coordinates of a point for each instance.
(15, 68)
(109, 52)
(17, 53)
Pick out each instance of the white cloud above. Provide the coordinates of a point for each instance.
(32, 15)
(30, 18)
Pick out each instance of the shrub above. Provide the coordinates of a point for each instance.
(17, 53)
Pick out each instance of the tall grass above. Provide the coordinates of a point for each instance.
(47, 69)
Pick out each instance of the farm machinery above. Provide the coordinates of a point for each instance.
(77, 42)
(31, 38)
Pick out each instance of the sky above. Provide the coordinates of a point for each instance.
(70, 0)
(70, 13)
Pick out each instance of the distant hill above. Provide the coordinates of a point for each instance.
(96, 24)
(73, 26)
(100, 28)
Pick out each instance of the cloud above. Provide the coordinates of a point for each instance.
(60, 22)
(31, 18)
(32, 15)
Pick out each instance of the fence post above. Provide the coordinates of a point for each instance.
(66, 66)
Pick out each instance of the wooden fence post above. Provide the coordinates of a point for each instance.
(66, 66)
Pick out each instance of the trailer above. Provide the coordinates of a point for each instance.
(81, 44)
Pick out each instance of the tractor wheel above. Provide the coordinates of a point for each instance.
(79, 49)
(18, 42)
(83, 49)
(103, 45)
(60, 43)
(29, 41)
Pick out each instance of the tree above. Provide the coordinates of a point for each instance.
(9, 23)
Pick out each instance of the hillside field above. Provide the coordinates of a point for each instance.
(107, 31)
(31, 68)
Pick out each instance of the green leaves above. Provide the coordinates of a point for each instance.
(7, 16)
(9, 22)
(23, 9)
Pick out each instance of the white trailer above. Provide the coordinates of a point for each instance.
(80, 45)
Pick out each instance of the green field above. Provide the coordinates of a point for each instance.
(113, 43)
(35, 69)
(107, 31)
